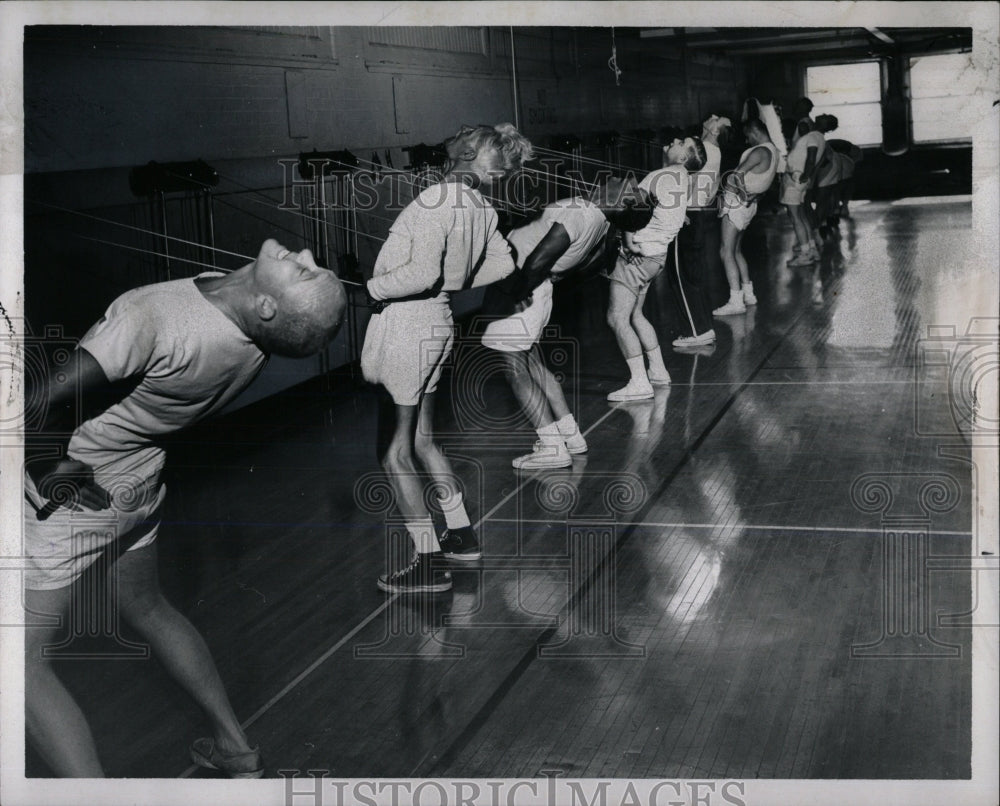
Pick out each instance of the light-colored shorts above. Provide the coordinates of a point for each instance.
(59, 549)
(636, 274)
(521, 331)
(793, 192)
(738, 213)
(406, 347)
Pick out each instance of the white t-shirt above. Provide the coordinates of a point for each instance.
(670, 186)
(191, 360)
(583, 221)
(797, 156)
(705, 183)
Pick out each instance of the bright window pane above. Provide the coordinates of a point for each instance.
(942, 87)
(852, 93)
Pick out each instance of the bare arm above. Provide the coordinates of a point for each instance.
(757, 158)
(810, 163)
(539, 263)
(54, 473)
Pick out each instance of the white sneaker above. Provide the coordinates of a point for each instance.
(544, 456)
(734, 306)
(748, 295)
(575, 444)
(695, 341)
(635, 390)
(659, 380)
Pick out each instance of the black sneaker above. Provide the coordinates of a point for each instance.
(460, 544)
(421, 576)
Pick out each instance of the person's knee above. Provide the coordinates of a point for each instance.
(515, 368)
(142, 607)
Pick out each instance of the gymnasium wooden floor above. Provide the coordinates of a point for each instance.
(709, 592)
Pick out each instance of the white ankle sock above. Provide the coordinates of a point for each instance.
(455, 515)
(637, 366)
(567, 425)
(422, 532)
(656, 365)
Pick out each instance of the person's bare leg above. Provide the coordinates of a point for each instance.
(55, 724)
(550, 387)
(657, 372)
(524, 383)
(179, 647)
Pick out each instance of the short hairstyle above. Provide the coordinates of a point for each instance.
(697, 157)
(635, 213)
(303, 326)
(827, 123)
(757, 126)
(514, 148)
(806, 104)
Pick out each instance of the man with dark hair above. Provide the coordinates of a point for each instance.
(805, 157)
(564, 241)
(643, 256)
(188, 348)
(803, 123)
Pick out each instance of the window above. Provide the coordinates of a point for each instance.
(853, 94)
(942, 87)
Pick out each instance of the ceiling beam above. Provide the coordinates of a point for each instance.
(882, 36)
(843, 45)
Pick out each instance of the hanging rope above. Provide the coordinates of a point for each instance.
(613, 61)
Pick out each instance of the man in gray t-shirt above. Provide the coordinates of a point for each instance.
(187, 348)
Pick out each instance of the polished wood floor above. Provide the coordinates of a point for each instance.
(731, 583)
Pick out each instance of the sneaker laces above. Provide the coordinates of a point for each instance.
(404, 571)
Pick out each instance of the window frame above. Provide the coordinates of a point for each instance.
(946, 141)
(804, 87)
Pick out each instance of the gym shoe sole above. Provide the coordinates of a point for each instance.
(204, 754)
(620, 397)
(428, 587)
(708, 337)
(455, 547)
(533, 461)
(574, 445)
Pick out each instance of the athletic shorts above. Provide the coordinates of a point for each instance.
(406, 347)
(793, 192)
(636, 274)
(739, 214)
(59, 549)
(518, 333)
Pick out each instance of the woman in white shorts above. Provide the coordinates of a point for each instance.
(444, 240)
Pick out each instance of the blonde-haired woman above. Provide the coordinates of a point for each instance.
(445, 240)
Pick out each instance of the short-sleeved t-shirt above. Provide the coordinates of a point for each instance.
(670, 186)
(797, 156)
(190, 359)
(583, 221)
